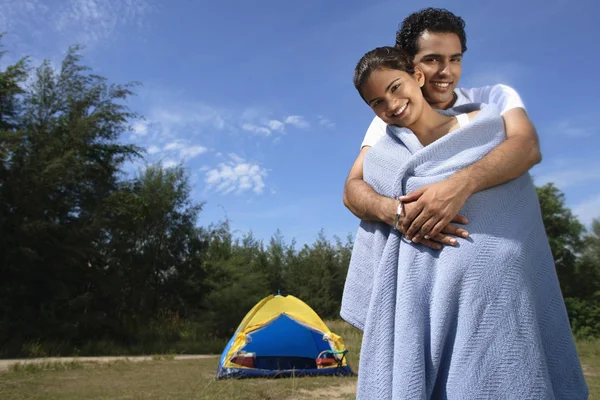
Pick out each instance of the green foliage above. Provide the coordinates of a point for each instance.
(584, 316)
(564, 233)
(92, 263)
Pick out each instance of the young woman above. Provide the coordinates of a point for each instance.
(481, 320)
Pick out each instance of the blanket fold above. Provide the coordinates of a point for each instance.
(483, 320)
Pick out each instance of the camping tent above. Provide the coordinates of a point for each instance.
(283, 336)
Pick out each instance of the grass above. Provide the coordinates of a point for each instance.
(589, 353)
(165, 377)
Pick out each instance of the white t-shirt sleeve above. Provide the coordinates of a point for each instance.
(375, 132)
(503, 96)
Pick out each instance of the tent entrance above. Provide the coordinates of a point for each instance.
(283, 363)
(285, 344)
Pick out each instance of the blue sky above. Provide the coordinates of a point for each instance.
(256, 98)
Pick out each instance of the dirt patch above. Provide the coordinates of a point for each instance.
(5, 364)
(588, 371)
(331, 392)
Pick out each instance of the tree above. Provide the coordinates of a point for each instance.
(57, 174)
(588, 266)
(564, 233)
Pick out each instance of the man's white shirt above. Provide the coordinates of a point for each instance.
(504, 97)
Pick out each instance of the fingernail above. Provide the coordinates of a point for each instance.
(453, 241)
(414, 240)
(465, 234)
(427, 237)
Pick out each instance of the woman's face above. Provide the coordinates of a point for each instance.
(395, 96)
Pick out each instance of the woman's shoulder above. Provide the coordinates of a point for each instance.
(472, 114)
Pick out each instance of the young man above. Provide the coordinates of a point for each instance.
(436, 40)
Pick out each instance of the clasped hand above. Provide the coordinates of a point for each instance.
(428, 211)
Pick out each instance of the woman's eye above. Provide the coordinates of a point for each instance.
(394, 88)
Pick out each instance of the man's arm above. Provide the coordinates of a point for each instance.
(511, 159)
(366, 204)
(362, 200)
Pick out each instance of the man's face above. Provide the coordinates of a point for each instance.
(440, 59)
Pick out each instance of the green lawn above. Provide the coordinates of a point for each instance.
(165, 378)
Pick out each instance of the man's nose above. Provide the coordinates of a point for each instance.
(444, 69)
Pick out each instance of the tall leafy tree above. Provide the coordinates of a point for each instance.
(564, 233)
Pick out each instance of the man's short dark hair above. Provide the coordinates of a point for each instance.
(437, 20)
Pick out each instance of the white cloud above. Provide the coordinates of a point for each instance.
(588, 210)
(53, 27)
(236, 176)
(325, 122)
(275, 125)
(296, 120)
(508, 73)
(268, 126)
(176, 119)
(192, 151)
(21, 12)
(565, 176)
(173, 146)
(572, 129)
(168, 163)
(153, 150)
(96, 21)
(261, 130)
(140, 128)
(237, 159)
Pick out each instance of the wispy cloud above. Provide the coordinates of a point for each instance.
(168, 163)
(153, 150)
(567, 175)
(266, 127)
(86, 22)
(275, 125)
(490, 74)
(140, 128)
(297, 121)
(93, 21)
(588, 210)
(178, 150)
(236, 176)
(576, 128)
(261, 130)
(325, 122)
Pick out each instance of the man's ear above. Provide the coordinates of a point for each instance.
(419, 76)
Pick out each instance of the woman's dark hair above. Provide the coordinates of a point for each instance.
(437, 20)
(382, 57)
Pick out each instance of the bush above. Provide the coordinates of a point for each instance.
(584, 316)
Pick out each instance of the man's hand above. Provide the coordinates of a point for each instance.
(388, 213)
(436, 242)
(431, 208)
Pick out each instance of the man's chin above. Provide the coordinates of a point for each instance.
(440, 101)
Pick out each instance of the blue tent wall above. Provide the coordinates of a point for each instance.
(286, 337)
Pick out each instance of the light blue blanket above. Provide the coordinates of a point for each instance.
(484, 320)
